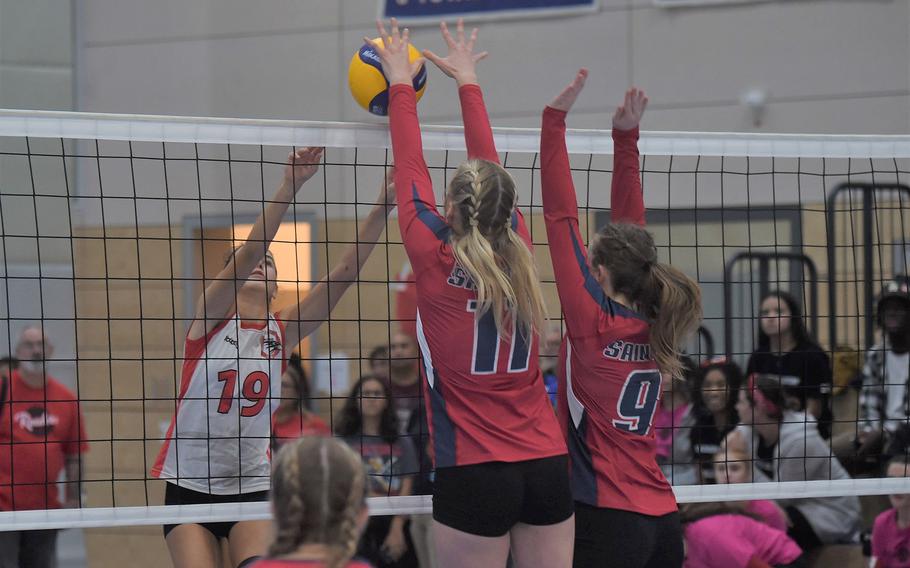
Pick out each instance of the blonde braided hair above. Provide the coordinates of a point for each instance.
(290, 509)
(318, 492)
(485, 245)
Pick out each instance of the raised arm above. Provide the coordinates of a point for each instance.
(422, 227)
(220, 294)
(580, 295)
(303, 318)
(461, 65)
(626, 201)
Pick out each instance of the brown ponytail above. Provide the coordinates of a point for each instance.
(665, 295)
(676, 315)
(486, 246)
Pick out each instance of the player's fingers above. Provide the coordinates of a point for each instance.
(581, 77)
(459, 30)
(446, 35)
(433, 57)
(384, 36)
(472, 40)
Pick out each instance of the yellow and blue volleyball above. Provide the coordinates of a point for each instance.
(368, 83)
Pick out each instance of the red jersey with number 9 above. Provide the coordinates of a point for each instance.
(218, 441)
(609, 383)
(486, 398)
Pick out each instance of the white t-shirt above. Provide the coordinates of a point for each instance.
(897, 371)
(218, 442)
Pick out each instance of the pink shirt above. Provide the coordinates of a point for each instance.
(666, 423)
(731, 541)
(890, 543)
(769, 512)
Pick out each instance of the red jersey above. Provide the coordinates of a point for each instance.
(39, 428)
(289, 563)
(609, 384)
(486, 399)
(297, 426)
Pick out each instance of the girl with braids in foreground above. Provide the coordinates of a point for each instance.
(319, 489)
(626, 315)
(501, 465)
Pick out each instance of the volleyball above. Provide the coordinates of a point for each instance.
(368, 83)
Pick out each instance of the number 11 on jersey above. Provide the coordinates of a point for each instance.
(485, 356)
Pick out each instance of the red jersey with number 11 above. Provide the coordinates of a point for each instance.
(486, 399)
(610, 386)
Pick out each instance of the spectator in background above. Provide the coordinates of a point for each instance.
(404, 378)
(891, 532)
(368, 423)
(785, 446)
(673, 424)
(720, 536)
(293, 418)
(732, 465)
(884, 395)
(7, 366)
(380, 366)
(714, 397)
(786, 349)
(42, 434)
(407, 392)
(550, 343)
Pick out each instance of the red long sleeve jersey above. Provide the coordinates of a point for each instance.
(609, 384)
(486, 399)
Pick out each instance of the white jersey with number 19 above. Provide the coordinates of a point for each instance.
(218, 440)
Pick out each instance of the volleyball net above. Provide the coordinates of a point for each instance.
(111, 223)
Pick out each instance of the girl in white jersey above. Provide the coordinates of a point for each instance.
(216, 449)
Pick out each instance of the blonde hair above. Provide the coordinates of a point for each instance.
(318, 491)
(669, 299)
(486, 246)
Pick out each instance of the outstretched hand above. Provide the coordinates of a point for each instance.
(393, 51)
(628, 115)
(303, 163)
(566, 98)
(460, 64)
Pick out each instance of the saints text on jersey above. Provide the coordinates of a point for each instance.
(625, 351)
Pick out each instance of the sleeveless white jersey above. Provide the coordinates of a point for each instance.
(218, 441)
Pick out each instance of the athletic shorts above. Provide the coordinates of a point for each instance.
(176, 495)
(611, 538)
(488, 499)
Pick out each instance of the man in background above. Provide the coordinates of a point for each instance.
(42, 436)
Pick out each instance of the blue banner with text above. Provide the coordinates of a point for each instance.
(413, 9)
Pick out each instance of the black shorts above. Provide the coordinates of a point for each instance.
(488, 499)
(610, 538)
(176, 495)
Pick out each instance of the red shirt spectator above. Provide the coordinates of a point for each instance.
(296, 426)
(39, 429)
